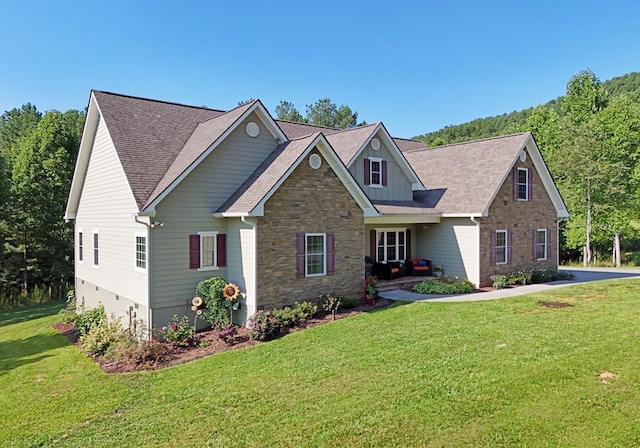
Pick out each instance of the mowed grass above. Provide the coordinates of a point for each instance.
(502, 373)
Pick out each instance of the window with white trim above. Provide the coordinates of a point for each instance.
(541, 244)
(141, 252)
(391, 244)
(96, 248)
(375, 173)
(315, 254)
(207, 250)
(501, 247)
(80, 246)
(522, 184)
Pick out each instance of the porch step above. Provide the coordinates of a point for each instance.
(405, 283)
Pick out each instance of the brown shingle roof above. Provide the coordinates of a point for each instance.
(347, 142)
(203, 136)
(295, 130)
(148, 135)
(405, 208)
(409, 145)
(274, 167)
(463, 178)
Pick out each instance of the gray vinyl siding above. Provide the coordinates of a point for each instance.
(452, 244)
(398, 185)
(107, 205)
(188, 210)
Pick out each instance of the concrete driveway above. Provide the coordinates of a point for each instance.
(580, 275)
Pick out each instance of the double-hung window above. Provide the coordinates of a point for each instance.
(541, 244)
(80, 245)
(375, 172)
(141, 252)
(207, 251)
(314, 254)
(391, 245)
(522, 184)
(501, 247)
(96, 248)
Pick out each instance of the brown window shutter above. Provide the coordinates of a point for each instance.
(509, 246)
(384, 173)
(300, 249)
(515, 183)
(535, 244)
(221, 249)
(407, 240)
(194, 251)
(373, 244)
(530, 184)
(367, 171)
(330, 254)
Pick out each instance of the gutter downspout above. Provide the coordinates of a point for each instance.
(254, 277)
(149, 269)
(477, 223)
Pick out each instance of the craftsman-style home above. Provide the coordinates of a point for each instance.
(165, 195)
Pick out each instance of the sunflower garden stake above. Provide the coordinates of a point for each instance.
(231, 293)
(196, 303)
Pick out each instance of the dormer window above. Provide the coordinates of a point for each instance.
(375, 172)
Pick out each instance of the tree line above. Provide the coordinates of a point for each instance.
(37, 158)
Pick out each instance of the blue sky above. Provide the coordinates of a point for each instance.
(417, 66)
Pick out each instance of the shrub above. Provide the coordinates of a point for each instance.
(432, 286)
(144, 353)
(88, 319)
(103, 338)
(179, 332)
(499, 281)
(262, 325)
(211, 290)
(285, 317)
(349, 302)
(228, 333)
(330, 302)
(305, 310)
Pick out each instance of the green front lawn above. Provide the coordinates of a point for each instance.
(502, 373)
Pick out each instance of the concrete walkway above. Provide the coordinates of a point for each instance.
(580, 275)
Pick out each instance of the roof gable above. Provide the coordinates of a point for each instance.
(250, 197)
(464, 178)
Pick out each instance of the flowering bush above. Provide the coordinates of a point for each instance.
(371, 286)
(228, 333)
(220, 298)
(179, 332)
(262, 325)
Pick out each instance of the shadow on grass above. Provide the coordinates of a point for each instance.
(18, 352)
(17, 315)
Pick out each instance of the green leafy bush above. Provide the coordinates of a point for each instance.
(349, 302)
(499, 281)
(88, 319)
(102, 339)
(211, 291)
(432, 286)
(330, 302)
(179, 332)
(305, 310)
(285, 317)
(262, 325)
(144, 353)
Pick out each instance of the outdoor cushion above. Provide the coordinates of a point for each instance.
(422, 263)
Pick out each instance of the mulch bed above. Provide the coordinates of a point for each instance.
(207, 341)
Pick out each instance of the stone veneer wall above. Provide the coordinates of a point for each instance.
(311, 201)
(522, 218)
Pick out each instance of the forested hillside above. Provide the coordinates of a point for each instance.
(513, 122)
(590, 140)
